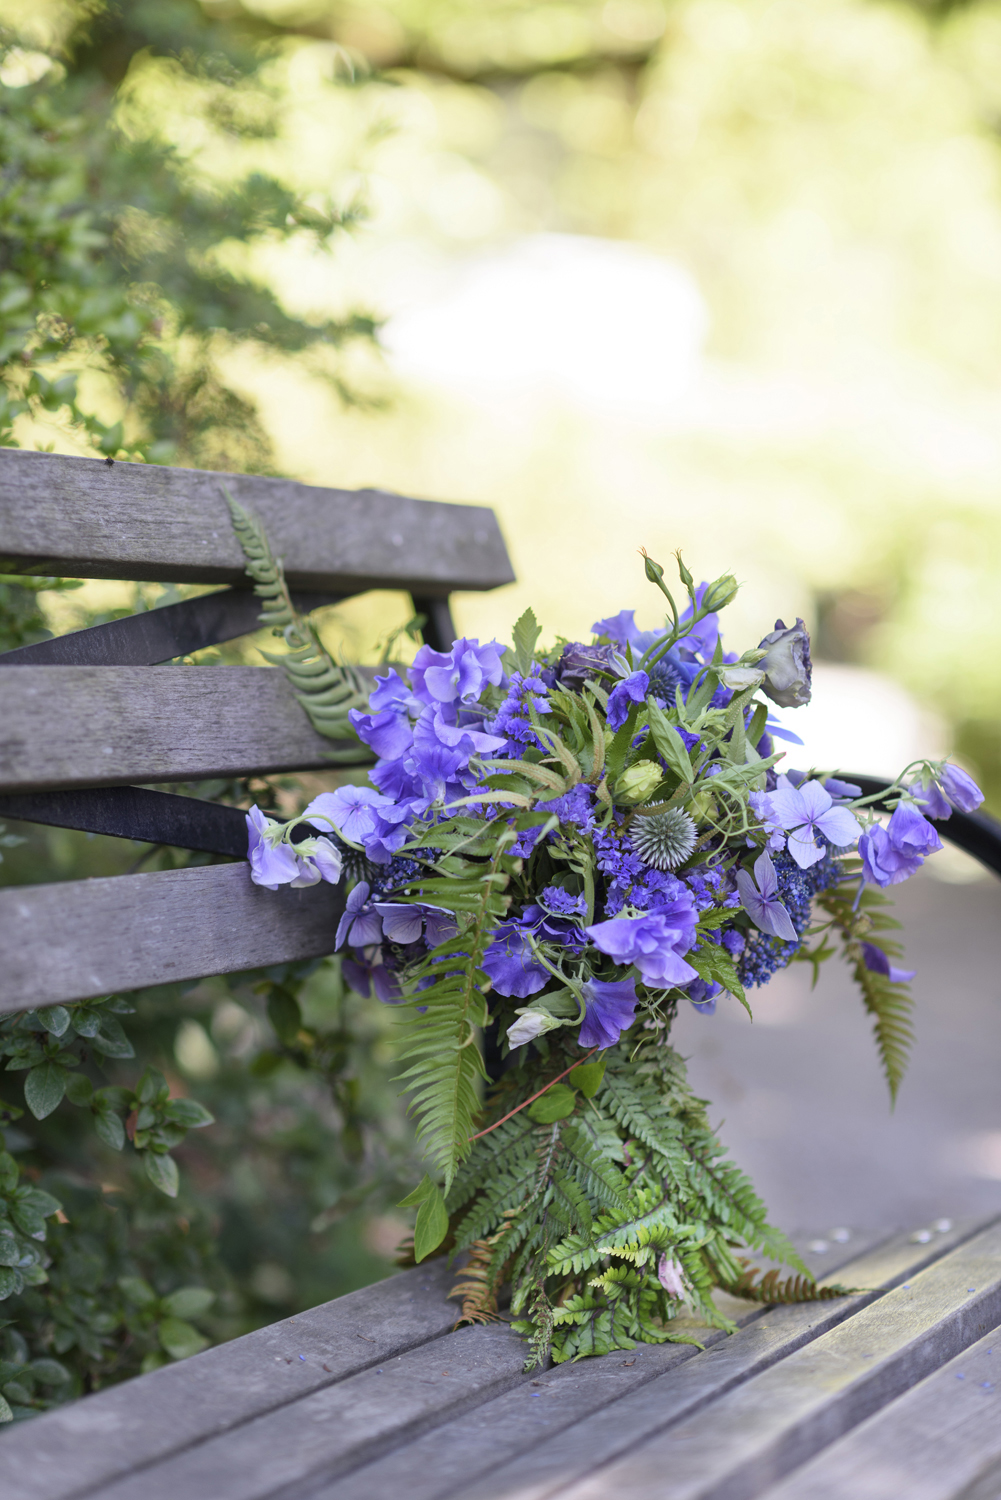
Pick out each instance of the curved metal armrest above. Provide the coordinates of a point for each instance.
(978, 833)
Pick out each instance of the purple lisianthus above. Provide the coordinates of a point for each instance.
(882, 863)
(511, 965)
(786, 665)
(632, 690)
(610, 1007)
(654, 941)
(579, 664)
(808, 811)
(456, 676)
(877, 961)
(761, 900)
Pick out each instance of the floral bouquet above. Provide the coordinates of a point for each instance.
(558, 848)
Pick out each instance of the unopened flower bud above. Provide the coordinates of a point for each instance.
(529, 1025)
(638, 783)
(739, 678)
(719, 594)
(786, 665)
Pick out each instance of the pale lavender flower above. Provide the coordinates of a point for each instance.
(761, 900)
(362, 817)
(808, 811)
(877, 961)
(882, 863)
(360, 925)
(272, 862)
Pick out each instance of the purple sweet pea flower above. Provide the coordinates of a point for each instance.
(274, 862)
(511, 964)
(632, 690)
(809, 810)
(360, 925)
(610, 1009)
(961, 789)
(928, 796)
(623, 630)
(703, 995)
(882, 864)
(654, 941)
(876, 960)
(370, 975)
(404, 923)
(362, 816)
(761, 901)
(910, 833)
(457, 675)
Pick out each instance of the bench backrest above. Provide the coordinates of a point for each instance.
(87, 716)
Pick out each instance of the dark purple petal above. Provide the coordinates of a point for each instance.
(610, 1007)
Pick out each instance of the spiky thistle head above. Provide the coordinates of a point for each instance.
(663, 839)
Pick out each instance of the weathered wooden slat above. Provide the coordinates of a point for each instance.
(76, 517)
(135, 812)
(310, 1447)
(71, 941)
(71, 1451)
(453, 1458)
(770, 1424)
(527, 1464)
(936, 1442)
(158, 635)
(106, 726)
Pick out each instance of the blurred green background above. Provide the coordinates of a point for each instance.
(716, 274)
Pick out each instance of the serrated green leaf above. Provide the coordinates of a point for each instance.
(525, 634)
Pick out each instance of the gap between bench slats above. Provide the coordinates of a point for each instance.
(74, 940)
(104, 726)
(77, 517)
(336, 1430)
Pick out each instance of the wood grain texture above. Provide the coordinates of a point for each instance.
(71, 941)
(936, 1442)
(123, 1429)
(78, 518)
(106, 726)
(521, 1426)
(767, 1426)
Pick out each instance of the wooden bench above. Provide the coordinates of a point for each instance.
(891, 1392)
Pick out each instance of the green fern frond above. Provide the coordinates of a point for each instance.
(327, 690)
(767, 1287)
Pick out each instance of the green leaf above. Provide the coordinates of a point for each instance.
(180, 1339)
(431, 1226)
(189, 1113)
(154, 1360)
(79, 1089)
(424, 1189)
(49, 1371)
(137, 1290)
(555, 1104)
(9, 1173)
(10, 1250)
(44, 1088)
(162, 1172)
(10, 1282)
(526, 632)
(150, 1085)
(587, 1077)
(189, 1301)
(55, 1018)
(670, 744)
(285, 1016)
(111, 1040)
(110, 1130)
(6, 1415)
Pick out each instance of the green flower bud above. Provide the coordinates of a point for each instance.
(638, 783)
(719, 594)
